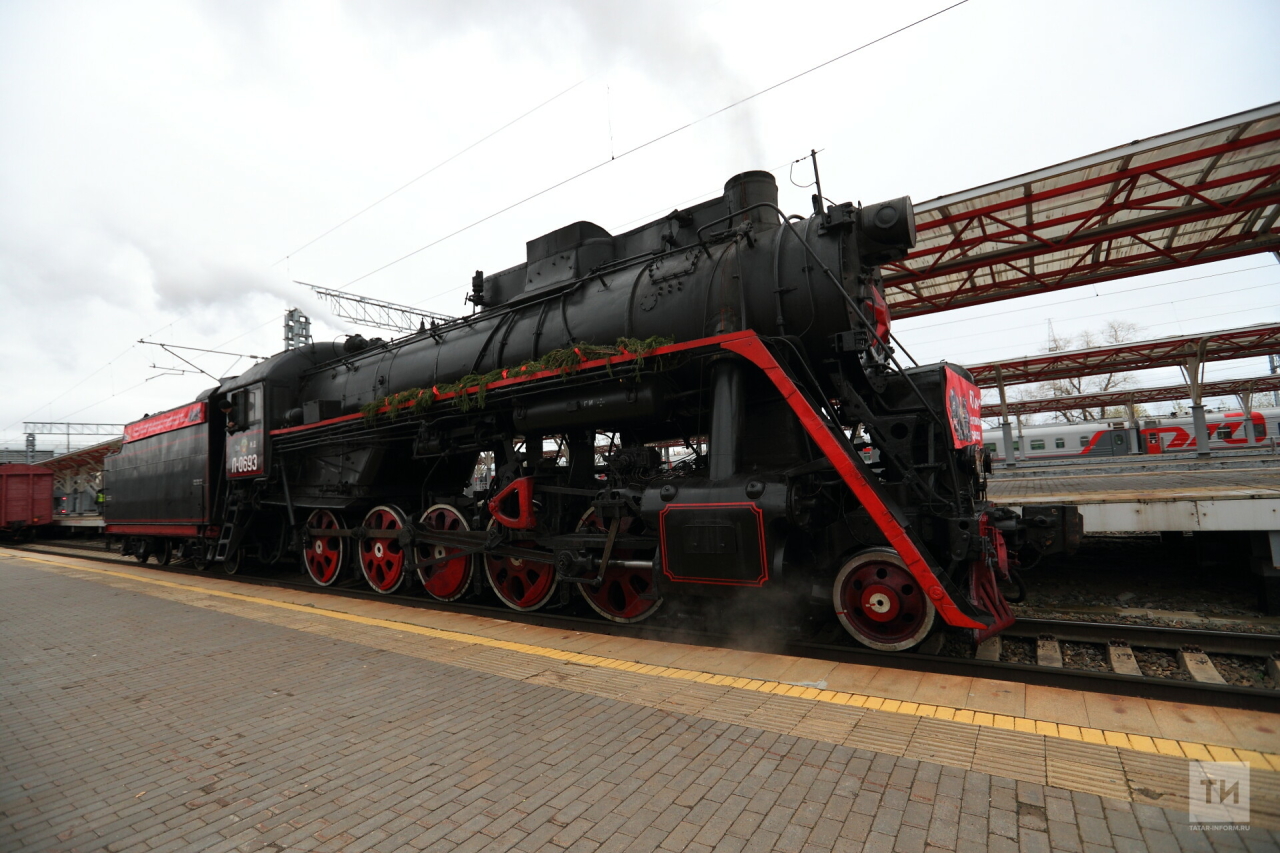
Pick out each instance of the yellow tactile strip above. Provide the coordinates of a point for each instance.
(1091, 760)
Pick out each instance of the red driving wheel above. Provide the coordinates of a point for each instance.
(521, 584)
(618, 598)
(382, 558)
(446, 580)
(880, 603)
(322, 554)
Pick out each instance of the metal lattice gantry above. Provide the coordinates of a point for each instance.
(34, 428)
(375, 313)
(1134, 397)
(62, 428)
(1203, 193)
(1243, 342)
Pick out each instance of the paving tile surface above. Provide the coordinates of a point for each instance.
(135, 722)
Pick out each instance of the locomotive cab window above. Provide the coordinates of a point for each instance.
(246, 409)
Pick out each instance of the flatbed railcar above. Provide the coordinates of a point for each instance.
(757, 341)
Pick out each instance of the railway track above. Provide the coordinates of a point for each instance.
(1117, 660)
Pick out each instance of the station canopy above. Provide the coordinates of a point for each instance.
(1175, 351)
(1205, 193)
(80, 469)
(1134, 396)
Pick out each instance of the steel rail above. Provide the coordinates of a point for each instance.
(1145, 687)
(1149, 636)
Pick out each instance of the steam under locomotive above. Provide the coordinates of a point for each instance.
(756, 341)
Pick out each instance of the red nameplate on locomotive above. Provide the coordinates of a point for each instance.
(188, 415)
(964, 409)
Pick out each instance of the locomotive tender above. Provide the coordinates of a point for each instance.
(758, 341)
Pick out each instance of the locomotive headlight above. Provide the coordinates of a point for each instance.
(888, 230)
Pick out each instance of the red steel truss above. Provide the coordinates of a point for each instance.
(1138, 355)
(80, 468)
(1135, 397)
(1204, 193)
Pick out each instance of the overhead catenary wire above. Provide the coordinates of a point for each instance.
(434, 168)
(709, 194)
(987, 332)
(103, 367)
(1250, 309)
(1042, 306)
(653, 141)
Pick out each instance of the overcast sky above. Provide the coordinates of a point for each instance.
(162, 164)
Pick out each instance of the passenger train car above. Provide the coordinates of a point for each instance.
(1172, 434)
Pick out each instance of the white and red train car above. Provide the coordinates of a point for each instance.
(1157, 435)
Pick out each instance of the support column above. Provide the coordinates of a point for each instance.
(1194, 371)
(1201, 430)
(1246, 407)
(1135, 428)
(1006, 430)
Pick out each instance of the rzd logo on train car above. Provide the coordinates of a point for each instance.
(244, 454)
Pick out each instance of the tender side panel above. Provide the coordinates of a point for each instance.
(160, 479)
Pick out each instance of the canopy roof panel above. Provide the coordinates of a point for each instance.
(1134, 396)
(1243, 342)
(83, 459)
(1203, 193)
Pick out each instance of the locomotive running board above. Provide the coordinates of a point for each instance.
(955, 610)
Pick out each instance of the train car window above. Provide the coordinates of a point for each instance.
(253, 409)
(990, 447)
(1084, 441)
(1017, 445)
(1224, 431)
(1059, 443)
(1260, 429)
(1037, 444)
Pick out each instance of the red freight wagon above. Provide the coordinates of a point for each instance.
(26, 497)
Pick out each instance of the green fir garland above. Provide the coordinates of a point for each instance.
(565, 360)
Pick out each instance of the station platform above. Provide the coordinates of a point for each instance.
(91, 520)
(1145, 496)
(147, 710)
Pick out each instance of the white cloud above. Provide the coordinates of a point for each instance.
(157, 157)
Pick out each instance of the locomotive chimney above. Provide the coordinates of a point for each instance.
(742, 191)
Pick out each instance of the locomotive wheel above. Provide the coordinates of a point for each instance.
(521, 584)
(618, 596)
(231, 565)
(323, 556)
(164, 554)
(142, 550)
(879, 602)
(448, 580)
(382, 560)
(192, 551)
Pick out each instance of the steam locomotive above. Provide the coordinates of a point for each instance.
(757, 342)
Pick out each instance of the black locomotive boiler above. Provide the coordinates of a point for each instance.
(754, 343)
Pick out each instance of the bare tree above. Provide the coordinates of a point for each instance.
(1113, 332)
